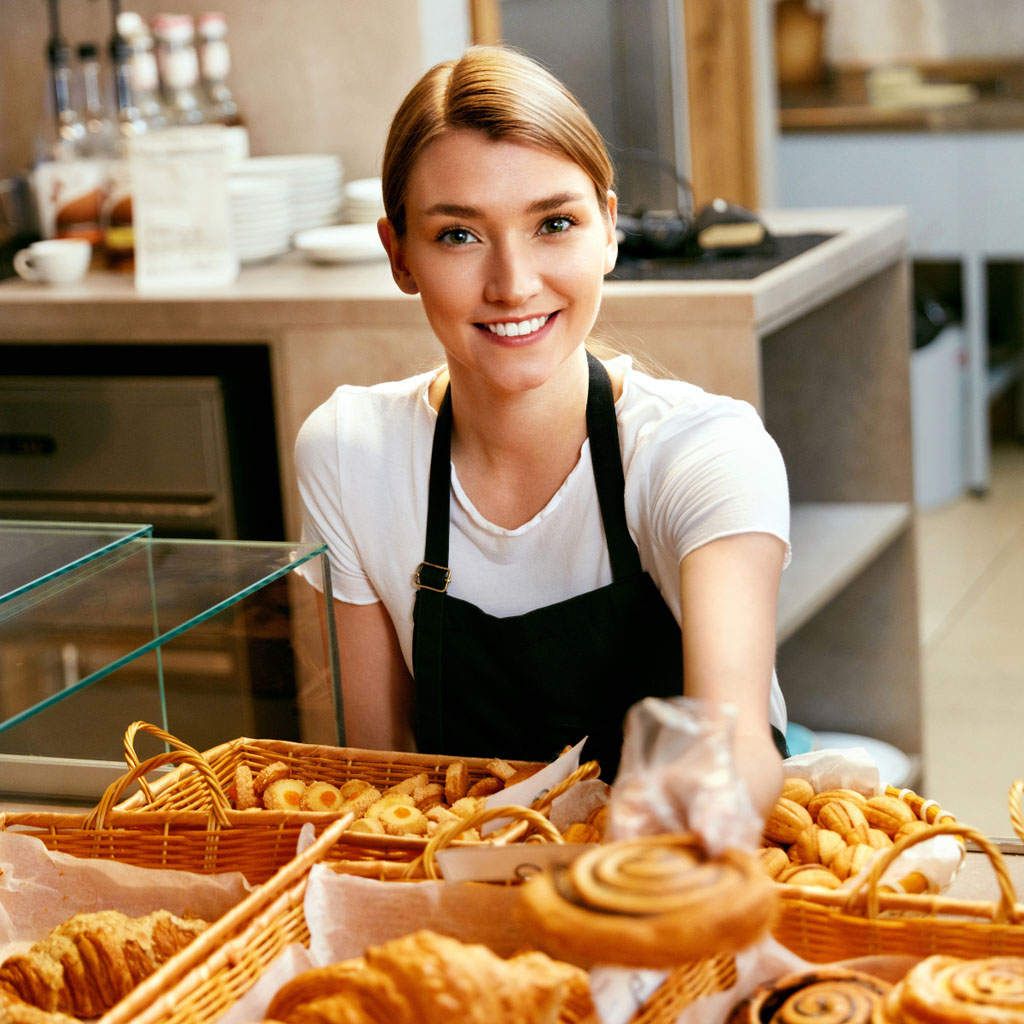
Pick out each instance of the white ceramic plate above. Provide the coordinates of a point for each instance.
(894, 767)
(341, 243)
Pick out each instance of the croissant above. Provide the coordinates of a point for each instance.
(92, 961)
(426, 978)
(15, 1011)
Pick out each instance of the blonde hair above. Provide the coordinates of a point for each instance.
(503, 93)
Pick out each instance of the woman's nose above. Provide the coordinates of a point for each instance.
(512, 275)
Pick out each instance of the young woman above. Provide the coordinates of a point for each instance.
(528, 540)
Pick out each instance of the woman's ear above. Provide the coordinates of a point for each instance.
(396, 254)
(611, 252)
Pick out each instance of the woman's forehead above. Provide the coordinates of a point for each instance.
(465, 166)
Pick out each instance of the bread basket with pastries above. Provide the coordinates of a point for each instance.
(241, 805)
(329, 924)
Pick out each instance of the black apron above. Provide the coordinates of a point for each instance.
(524, 686)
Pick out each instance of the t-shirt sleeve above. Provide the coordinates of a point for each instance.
(318, 471)
(714, 474)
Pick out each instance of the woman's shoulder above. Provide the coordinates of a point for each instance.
(358, 404)
(649, 399)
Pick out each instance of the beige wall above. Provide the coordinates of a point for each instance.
(309, 75)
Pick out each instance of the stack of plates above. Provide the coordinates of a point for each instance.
(363, 201)
(261, 223)
(343, 243)
(314, 184)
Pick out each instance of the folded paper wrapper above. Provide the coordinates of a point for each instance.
(40, 889)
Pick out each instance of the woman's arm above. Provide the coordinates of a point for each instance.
(376, 687)
(729, 592)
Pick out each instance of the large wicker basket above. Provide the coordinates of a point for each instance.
(228, 972)
(185, 819)
(822, 925)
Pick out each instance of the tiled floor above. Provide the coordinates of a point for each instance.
(971, 596)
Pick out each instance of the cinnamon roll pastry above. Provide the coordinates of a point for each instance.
(92, 961)
(649, 902)
(827, 995)
(952, 990)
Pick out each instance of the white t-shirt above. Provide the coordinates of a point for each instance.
(697, 466)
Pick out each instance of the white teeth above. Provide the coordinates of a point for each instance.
(515, 329)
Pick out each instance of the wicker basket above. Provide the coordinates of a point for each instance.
(229, 971)
(822, 925)
(185, 820)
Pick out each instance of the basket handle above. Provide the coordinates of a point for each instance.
(587, 770)
(219, 808)
(1006, 907)
(133, 759)
(1016, 813)
(426, 861)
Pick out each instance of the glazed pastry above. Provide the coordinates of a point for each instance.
(378, 807)
(273, 772)
(403, 820)
(456, 781)
(371, 825)
(428, 796)
(92, 961)
(426, 978)
(787, 820)
(353, 786)
(888, 814)
(408, 786)
(649, 902)
(485, 787)
(284, 795)
(952, 990)
(826, 995)
(321, 796)
(245, 792)
(501, 769)
(361, 802)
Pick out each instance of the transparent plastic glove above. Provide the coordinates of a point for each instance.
(677, 775)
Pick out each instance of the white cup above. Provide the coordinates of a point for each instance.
(54, 260)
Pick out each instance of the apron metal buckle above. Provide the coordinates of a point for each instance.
(433, 577)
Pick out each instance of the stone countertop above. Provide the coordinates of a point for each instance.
(291, 292)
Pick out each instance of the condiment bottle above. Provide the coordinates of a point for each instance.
(179, 68)
(214, 67)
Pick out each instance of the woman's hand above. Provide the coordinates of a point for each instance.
(729, 592)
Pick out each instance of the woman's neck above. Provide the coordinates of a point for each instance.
(513, 450)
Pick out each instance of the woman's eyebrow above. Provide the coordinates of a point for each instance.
(543, 205)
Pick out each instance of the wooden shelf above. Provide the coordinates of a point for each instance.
(832, 543)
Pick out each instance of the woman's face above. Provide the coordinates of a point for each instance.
(507, 246)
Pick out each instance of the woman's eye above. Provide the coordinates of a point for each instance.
(556, 225)
(456, 236)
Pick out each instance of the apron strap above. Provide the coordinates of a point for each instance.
(609, 477)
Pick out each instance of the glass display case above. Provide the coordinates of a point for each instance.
(103, 625)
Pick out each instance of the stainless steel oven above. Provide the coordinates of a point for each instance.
(117, 449)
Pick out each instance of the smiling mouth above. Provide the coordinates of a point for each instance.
(518, 328)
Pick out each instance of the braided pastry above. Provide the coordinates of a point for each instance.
(15, 1011)
(827, 995)
(426, 978)
(649, 902)
(92, 961)
(952, 990)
